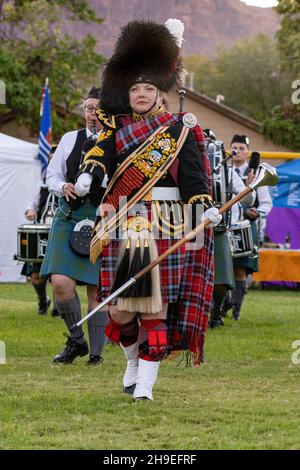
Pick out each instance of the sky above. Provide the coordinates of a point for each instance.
(261, 3)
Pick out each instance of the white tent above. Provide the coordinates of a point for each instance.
(20, 172)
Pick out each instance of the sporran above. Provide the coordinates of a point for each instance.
(81, 237)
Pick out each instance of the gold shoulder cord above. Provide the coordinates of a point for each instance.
(106, 119)
(204, 199)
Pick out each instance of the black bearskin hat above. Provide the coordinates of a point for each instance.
(94, 93)
(240, 139)
(145, 52)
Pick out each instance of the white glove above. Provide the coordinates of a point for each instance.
(213, 215)
(83, 184)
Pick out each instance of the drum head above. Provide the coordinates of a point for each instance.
(34, 228)
(240, 225)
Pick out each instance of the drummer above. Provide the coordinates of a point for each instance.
(35, 209)
(261, 207)
(225, 184)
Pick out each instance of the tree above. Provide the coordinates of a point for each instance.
(202, 70)
(33, 46)
(288, 36)
(284, 124)
(248, 76)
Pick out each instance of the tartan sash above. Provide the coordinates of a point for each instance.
(135, 177)
(131, 157)
(133, 133)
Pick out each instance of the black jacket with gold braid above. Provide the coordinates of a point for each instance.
(190, 175)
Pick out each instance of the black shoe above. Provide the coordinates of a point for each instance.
(94, 360)
(226, 306)
(55, 313)
(215, 323)
(129, 390)
(72, 350)
(236, 314)
(141, 398)
(43, 307)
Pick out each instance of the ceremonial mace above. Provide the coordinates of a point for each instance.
(266, 175)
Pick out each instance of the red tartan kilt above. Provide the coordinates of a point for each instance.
(186, 276)
(171, 269)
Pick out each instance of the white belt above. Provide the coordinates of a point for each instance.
(163, 194)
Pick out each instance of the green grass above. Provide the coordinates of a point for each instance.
(246, 396)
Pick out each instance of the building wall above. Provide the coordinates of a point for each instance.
(20, 132)
(225, 127)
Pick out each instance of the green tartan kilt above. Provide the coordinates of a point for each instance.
(30, 268)
(249, 262)
(223, 261)
(59, 257)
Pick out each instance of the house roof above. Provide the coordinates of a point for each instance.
(222, 109)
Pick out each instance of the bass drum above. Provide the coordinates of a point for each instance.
(32, 242)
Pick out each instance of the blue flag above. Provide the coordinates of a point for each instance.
(45, 135)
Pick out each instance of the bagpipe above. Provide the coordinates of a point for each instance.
(221, 181)
(82, 233)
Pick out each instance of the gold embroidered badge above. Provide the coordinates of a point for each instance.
(155, 155)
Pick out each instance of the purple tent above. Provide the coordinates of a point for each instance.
(285, 215)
